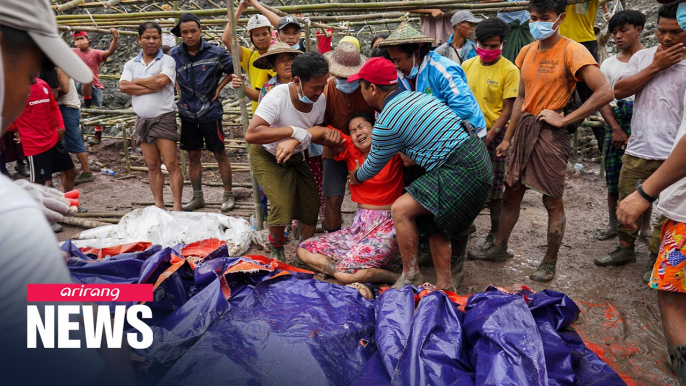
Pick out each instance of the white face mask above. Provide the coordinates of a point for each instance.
(2, 90)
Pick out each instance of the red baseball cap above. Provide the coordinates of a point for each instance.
(379, 71)
(80, 33)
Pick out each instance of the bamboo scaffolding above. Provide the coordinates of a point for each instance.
(305, 8)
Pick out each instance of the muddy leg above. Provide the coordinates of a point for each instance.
(441, 251)
(556, 226)
(512, 201)
(370, 275)
(673, 309)
(317, 261)
(404, 212)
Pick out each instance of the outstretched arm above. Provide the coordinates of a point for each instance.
(226, 36)
(113, 44)
(671, 171)
(271, 16)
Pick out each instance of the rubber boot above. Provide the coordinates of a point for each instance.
(620, 256)
(22, 169)
(278, 254)
(197, 202)
(545, 272)
(97, 138)
(229, 202)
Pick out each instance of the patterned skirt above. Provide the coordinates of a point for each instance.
(669, 271)
(368, 243)
(455, 192)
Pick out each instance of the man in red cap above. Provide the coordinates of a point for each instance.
(92, 92)
(443, 202)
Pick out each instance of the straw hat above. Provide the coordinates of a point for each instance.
(345, 60)
(277, 48)
(405, 34)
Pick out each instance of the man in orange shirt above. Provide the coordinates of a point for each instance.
(551, 67)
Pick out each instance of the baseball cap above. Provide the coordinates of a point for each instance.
(38, 20)
(184, 18)
(462, 16)
(80, 33)
(379, 71)
(286, 20)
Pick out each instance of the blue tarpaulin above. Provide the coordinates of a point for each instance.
(253, 321)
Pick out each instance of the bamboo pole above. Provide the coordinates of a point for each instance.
(93, 29)
(244, 112)
(70, 5)
(83, 223)
(308, 8)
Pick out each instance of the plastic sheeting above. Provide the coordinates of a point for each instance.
(256, 321)
(161, 227)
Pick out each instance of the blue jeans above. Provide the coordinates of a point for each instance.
(96, 97)
(73, 141)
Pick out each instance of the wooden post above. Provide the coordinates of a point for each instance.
(126, 148)
(308, 42)
(244, 114)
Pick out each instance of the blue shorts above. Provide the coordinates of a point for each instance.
(73, 141)
(96, 97)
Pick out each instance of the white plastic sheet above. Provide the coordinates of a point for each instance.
(171, 228)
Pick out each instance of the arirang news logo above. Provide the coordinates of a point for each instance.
(94, 319)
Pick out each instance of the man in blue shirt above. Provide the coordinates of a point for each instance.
(427, 72)
(199, 68)
(443, 202)
(459, 48)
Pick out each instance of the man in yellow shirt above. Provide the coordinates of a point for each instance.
(260, 31)
(494, 80)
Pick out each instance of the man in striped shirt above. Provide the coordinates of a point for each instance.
(443, 202)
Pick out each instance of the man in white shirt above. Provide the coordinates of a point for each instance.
(625, 27)
(149, 79)
(284, 124)
(657, 77)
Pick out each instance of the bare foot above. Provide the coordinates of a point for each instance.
(415, 279)
(365, 291)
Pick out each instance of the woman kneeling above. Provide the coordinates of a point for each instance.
(357, 253)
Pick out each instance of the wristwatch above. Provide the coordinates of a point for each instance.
(645, 195)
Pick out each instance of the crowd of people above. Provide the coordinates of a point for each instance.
(430, 130)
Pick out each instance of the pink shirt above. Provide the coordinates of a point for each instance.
(93, 59)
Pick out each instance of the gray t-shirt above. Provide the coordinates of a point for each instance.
(29, 254)
(658, 108)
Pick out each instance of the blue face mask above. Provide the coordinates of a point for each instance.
(303, 98)
(296, 47)
(542, 30)
(347, 87)
(681, 15)
(415, 68)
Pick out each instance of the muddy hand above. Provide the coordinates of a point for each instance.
(630, 208)
(552, 118)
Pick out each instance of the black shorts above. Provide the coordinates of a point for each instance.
(192, 135)
(53, 160)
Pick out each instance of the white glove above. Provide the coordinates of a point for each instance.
(301, 135)
(55, 206)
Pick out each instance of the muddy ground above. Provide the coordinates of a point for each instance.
(619, 317)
